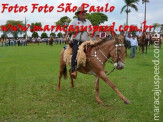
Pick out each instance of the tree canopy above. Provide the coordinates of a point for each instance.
(96, 18)
(14, 25)
(38, 24)
(129, 4)
(59, 34)
(53, 34)
(63, 21)
(35, 35)
(44, 35)
(3, 36)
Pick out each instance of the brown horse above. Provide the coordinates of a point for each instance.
(51, 41)
(100, 52)
(143, 43)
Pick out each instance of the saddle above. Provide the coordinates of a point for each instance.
(83, 51)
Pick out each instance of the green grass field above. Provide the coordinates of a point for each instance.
(28, 89)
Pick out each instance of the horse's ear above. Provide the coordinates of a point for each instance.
(122, 33)
(115, 37)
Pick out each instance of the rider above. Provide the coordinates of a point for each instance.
(139, 33)
(79, 38)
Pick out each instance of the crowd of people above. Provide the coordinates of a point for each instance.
(23, 42)
(13, 42)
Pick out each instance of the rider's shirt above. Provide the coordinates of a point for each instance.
(85, 36)
(139, 33)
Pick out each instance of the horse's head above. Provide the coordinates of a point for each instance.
(118, 51)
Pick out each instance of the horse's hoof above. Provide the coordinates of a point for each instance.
(127, 102)
(59, 89)
(106, 71)
(99, 102)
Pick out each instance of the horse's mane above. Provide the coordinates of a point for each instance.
(101, 41)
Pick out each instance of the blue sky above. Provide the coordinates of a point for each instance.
(154, 11)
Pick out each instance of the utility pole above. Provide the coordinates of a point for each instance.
(145, 2)
(26, 30)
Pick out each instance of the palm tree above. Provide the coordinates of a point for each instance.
(145, 1)
(131, 4)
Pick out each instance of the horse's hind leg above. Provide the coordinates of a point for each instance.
(104, 77)
(59, 81)
(62, 71)
(72, 81)
(146, 46)
(60, 76)
(142, 48)
(97, 91)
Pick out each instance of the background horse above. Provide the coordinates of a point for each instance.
(143, 43)
(51, 41)
(100, 52)
(127, 46)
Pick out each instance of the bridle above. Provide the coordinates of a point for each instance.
(116, 47)
(109, 60)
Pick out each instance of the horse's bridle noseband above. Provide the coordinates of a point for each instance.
(116, 47)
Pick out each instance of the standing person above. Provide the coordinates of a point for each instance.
(39, 41)
(9, 41)
(79, 38)
(6, 43)
(14, 42)
(46, 41)
(18, 42)
(134, 44)
(1, 42)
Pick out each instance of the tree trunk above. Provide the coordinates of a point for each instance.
(145, 12)
(127, 16)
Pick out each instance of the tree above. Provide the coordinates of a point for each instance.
(44, 35)
(145, 1)
(155, 25)
(96, 18)
(63, 21)
(37, 24)
(24, 35)
(53, 34)
(59, 34)
(35, 35)
(4, 36)
(161, 27)
(14, 24)
(131, 4)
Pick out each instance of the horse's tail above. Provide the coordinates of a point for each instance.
(65, 72)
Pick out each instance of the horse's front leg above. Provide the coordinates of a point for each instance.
(139, 48)
(102, 75)
(97, 91)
